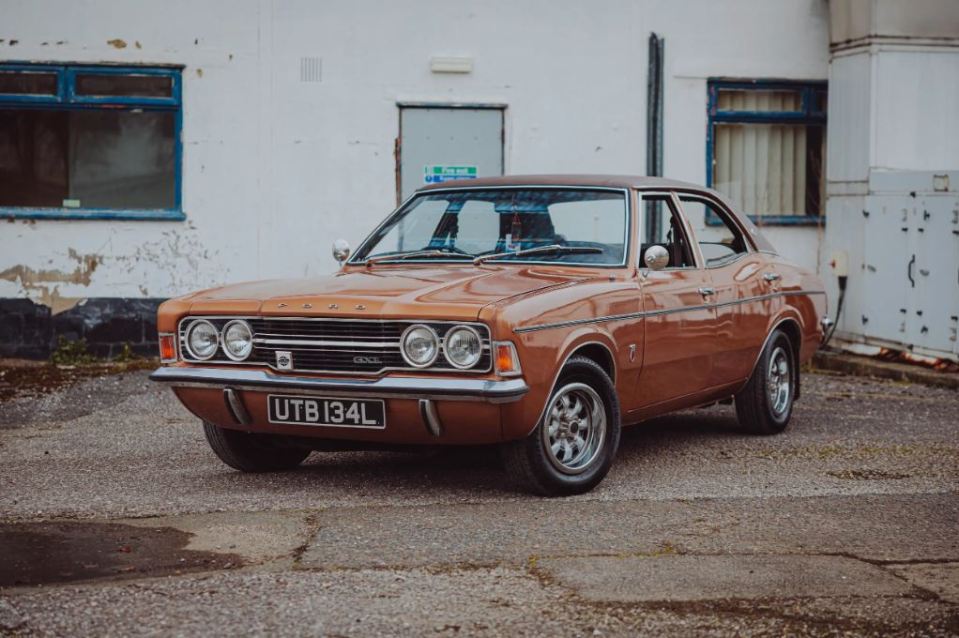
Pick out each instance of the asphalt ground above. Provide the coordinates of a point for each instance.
(116, 519)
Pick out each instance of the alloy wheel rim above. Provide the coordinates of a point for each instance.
(575, 428)
(779, 381)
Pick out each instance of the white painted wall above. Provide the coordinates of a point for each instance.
(275, 169)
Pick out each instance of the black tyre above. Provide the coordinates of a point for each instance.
(574, 444)
(765, 405)
(253, 452)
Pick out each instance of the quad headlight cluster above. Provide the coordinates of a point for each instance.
(203, 339)
(363, 347)
(462, 346)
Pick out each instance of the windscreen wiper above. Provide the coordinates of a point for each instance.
(552, 248)
(416, 253)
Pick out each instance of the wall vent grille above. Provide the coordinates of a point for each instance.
(311, 69)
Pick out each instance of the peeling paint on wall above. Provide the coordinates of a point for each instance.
(43, 285)
(180, 255)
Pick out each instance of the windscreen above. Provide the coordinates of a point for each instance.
(572, 226)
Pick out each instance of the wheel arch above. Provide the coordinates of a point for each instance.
(590, 345)
(599, 353)
(793, 331)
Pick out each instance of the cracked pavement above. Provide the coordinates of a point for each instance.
(116, 519)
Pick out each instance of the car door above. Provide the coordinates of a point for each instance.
(679, 344)
(744, 285)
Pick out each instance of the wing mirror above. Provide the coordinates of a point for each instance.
(656, 257)
(341, 250)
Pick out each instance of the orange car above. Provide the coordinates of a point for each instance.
(541, 313)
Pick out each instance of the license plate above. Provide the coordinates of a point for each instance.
(340, 413)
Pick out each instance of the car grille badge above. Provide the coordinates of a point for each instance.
(284, 360)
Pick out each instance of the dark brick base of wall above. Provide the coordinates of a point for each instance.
(106, 324)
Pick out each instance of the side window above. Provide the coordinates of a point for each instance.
(719, 243)
(661, 224)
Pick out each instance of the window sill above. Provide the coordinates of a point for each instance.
(769, 220)
(92, 213)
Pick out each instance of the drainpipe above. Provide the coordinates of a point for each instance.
(654, 122)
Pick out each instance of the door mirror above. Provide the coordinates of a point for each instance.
(656, 257)
(341, 250)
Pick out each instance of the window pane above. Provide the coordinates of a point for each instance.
(478, 227)
(599, 222)
(20, 83)
(661, 225)
(121, 85)
(33, 157)
(752, 100)
(122, 159)
(820, 102)
(87, 159)
(769, 169)
(719, 243)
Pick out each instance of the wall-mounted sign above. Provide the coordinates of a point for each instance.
(437, 173)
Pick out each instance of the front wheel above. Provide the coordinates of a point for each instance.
(765, 405)
(574, 444)
(249, 452)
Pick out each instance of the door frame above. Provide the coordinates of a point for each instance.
(398, 141)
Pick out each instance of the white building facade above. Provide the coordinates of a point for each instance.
(150, 149)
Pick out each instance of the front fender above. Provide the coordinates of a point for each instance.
(543, 361)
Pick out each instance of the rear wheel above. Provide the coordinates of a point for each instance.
(249, 452)
(765, 405)
(573, 446)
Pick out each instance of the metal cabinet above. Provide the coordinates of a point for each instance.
(910, 272)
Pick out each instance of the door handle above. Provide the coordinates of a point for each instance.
(772, 276)
(706, 292)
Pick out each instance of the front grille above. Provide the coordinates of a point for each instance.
(337, 345)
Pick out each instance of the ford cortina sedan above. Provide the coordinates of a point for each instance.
(539, 313)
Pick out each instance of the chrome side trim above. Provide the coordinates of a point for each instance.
(236, 407)
(488, 390)
(664, 311)
(430, 418)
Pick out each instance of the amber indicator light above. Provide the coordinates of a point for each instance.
(504, 358)
(167, 348)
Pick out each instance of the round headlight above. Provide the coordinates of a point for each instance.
(202, 339)
(420, 346)
(463, 347)
(237, 340)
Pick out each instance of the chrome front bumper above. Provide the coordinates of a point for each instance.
(430, 388)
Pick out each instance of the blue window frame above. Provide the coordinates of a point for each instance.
(765, 148)
(82, 141)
